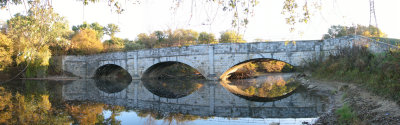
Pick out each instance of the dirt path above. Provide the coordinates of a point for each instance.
(369, 108)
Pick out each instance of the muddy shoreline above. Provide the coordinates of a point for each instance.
(369, 108)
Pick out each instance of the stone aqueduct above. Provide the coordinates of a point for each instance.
(215, 59)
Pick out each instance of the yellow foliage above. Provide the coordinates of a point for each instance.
(86, 114)
(86, 42)
(6, 51)
(231, 36)
(45, 103)
(5, 106)
(273, 66)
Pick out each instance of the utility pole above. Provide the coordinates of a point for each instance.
(372, 13)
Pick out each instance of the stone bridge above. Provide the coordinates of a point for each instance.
(214, 60)
(212, 99)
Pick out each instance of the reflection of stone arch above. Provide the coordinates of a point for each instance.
(234, 66)
(151, 71)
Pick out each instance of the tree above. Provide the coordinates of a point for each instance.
(231, 36)
(160, 37)
(114, 44)
(339, 31)
(132, 45)
(86, 42)
(32, 34)
(94, 26)
(111, 30)
(206, 38)
(6, 50)
(146, 40)
(184, 37)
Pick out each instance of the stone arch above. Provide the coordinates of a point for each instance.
(106, 69)
(234, 66)
(150, 71)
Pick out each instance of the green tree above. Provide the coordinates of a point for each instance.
(339, 31)
(111, 30)
(94, 26)
(114, 44)
(231, 36)
(86, 42)
(132, 45)
(206, 38)
(6, 50)
(160, 37)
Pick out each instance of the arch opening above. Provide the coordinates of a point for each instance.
(172, 70)
(112, 78)
(260, 80)
(256, 67)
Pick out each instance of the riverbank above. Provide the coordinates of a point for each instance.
(352, 103)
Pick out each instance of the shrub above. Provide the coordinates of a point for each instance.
(346, 116)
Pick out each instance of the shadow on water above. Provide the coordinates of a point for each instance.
(266, 88)
(173, 88)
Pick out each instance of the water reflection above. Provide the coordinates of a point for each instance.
(112, 85)
(173, 88)
(90, 102)
(269, 87)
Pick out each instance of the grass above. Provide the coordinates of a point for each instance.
(379, 73)
(346, 115)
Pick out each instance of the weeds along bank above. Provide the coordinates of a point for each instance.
(379, 73)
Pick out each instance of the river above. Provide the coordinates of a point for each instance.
(268, 99)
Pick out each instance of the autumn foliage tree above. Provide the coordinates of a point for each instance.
(86, 42)
(231, 36)
(32, 34)
(6, 50)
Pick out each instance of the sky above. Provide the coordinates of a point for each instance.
(267, 23)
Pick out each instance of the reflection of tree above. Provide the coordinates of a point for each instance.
(269, 87)
(168, 118)
(5, 106)
(92, 113)
(86, 113)
(115, 111)
(17, 109)
(257, 67)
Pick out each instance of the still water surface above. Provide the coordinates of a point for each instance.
(263, 100)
